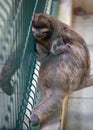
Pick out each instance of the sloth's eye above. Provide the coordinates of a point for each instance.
(44, 30)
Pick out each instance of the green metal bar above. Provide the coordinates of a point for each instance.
(47, 8)
(18, 45)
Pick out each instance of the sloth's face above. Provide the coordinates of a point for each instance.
(41, 27)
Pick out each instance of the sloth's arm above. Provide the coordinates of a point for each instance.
(11, 65)
(50, 103)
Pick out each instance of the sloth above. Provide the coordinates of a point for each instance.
(65, 68)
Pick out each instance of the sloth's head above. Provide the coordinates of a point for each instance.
(41, 27)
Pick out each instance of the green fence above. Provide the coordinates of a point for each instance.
(15, 28)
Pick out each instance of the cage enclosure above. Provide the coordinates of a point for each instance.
(15, 28)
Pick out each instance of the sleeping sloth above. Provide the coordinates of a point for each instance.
(65, 67)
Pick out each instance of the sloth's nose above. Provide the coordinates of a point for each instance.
(38, 34)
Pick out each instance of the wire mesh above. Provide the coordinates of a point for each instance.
(15, 31)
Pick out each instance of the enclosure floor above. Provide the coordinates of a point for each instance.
(80, 104)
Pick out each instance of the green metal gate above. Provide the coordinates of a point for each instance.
(15, 28)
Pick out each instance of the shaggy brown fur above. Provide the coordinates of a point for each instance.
(65, 65)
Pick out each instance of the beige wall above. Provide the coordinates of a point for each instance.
(86, 4)
(65, 11)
